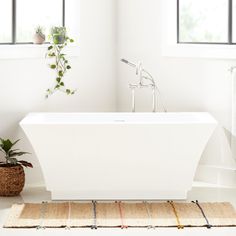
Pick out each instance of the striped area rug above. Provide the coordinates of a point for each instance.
(121, 214)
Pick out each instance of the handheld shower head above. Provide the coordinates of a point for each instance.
(124, 60)
(128, 62)
(138, 67)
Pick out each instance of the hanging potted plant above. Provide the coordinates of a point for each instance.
(60, 63)
(39, 36)
(12, 176)
(58, 35)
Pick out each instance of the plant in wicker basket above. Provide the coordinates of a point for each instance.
(12, 176)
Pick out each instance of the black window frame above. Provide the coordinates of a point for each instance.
(230, 27)
(14, 23)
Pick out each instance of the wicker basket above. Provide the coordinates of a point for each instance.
(12, 180)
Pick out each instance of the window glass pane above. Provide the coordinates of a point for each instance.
(30, 14)
(203, 21)
(6, 21)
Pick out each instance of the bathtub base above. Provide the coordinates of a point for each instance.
(118, 195)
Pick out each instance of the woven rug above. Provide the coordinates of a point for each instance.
(121, 214)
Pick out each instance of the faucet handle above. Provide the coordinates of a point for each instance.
(133, 86)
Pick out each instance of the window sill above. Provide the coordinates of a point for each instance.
(199, 51)
(31, 51)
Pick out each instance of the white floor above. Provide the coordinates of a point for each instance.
(39, 194)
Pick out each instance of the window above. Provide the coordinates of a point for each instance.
(19, 18)
(171, 45)
(5, 21)
(206, 21)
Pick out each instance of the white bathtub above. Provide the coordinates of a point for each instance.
(118, 155)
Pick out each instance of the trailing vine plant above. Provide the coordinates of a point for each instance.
(60, 65)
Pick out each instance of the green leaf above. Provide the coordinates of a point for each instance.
(50, 47)
(68, 91)
(62, 84)
(14, 143)
(25, 164)
(13, 150)
(6, 145)
(15, 154)
(57, 86)
(53, 66)
(72, 40)
(58, 79)
(51, 54)
(60, 73)
(12, 161)
(68, 67)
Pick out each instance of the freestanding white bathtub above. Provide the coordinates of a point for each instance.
(118, 155)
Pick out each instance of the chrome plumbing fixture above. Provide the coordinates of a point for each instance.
(143, 77)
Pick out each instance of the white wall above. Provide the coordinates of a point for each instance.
(23, 82)
(185, 84)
